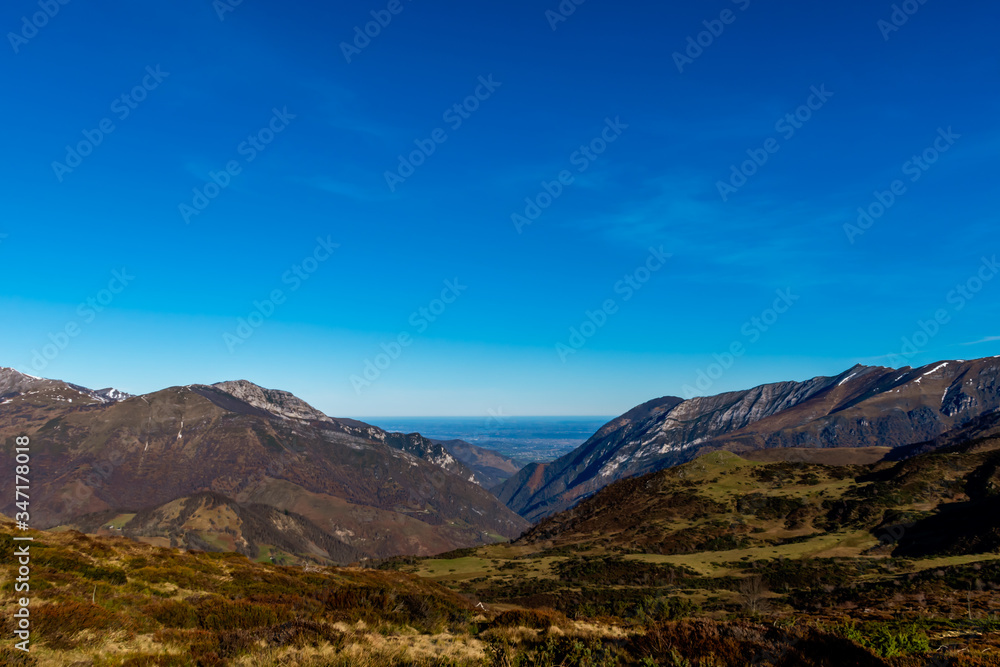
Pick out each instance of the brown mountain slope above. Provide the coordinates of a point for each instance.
(210, 522)
(151, 450)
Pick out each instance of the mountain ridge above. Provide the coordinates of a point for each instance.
(863, 406)
(381, 494)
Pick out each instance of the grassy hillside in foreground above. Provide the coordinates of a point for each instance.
(939, 503)
(110, 601)
(868, 550)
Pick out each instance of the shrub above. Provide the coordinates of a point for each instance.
(172, 613)
(887, 639)
(218, 614)
(57, 623)
(538, 619)
(553, 652)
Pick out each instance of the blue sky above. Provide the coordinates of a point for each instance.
(372, 251)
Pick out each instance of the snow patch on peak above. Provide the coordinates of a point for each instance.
(844, 381)
(936, 368)
(110, 395)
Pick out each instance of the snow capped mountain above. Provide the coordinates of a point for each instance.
(15, 384)
(111, 395)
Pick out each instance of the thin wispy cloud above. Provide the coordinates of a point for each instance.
(988, 339)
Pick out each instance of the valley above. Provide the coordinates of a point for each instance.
(230, 524)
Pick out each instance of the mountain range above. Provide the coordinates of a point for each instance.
(864, 406)
(239, 467)
(233, 466)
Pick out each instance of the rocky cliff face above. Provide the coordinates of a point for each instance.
(862, 407)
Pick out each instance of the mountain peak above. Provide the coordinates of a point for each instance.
(111, 395)
(14, 382)
(276, 401)
(4, 370)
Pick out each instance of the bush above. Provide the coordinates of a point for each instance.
(57, 623)
(887, 639)
(218, 614)
(553, 652)
(538, 619)
(616, 571)
(172, 613)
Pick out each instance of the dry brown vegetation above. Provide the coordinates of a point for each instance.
(775, 564)
(110, 601)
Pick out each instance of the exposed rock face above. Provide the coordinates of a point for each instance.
(862, 407)
(277, 402)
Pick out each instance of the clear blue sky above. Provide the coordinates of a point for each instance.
(208, 84)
